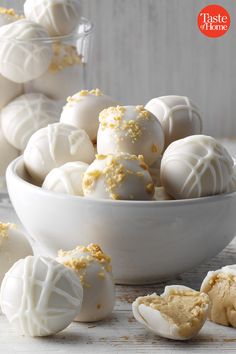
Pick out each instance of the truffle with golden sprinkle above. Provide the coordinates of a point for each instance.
(93, 267)
(13, 246)
(118, 177)
(130, 129)
(82, 110)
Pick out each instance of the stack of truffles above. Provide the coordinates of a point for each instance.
(51, 293)
(147, 153)
(39, 53)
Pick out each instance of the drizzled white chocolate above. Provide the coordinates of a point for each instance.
(47, 296)
(196, 166)
(55, 145)
(178, 116)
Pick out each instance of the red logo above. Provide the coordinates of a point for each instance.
(213, 21)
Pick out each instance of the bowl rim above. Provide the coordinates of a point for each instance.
(12, 167)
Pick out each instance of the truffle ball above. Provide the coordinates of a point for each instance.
(13, 246)
(93, 267)
(220, 285)
(130, 129)
(179, 313)
(178, 115)
(195, 166)
(82, 110)
(121, 176)
(55, 145)
(59, 17)
(25, 115)
(24, 52)
(66, 178)
(40, 296)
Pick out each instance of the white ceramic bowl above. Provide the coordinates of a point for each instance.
(148, 241)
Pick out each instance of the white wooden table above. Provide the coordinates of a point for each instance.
(121, 333)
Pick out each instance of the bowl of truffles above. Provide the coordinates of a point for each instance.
(145, 183)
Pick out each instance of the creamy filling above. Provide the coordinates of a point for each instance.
(221, 290)
(185, 309)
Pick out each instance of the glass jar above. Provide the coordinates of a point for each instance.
(54, 66)
(57, 65)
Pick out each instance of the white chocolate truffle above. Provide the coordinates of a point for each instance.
(8, 16)
(65, 70)
(93, 267)
(220, 285)
(46, 298)
(13, 246)
(195, 166)
(59, 17)
(7, 153)
(9, 90)
(179, 313)
(24, 52)
(160, 194)
(82, 110)
(130, 129)
(178, 115)
(155, 172)
(67, 178)
(25, 115)
(118, 177)
(55, 145)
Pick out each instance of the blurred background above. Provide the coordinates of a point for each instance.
(148, 48)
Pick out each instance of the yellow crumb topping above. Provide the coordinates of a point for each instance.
(142, 112)
(9, 12)
(154, 148)
(64, 56)
(114, 174)
(100, 157)
(150, 188)
(4, 228)
(80, 258)
(114, 118)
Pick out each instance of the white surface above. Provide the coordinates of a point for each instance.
(147, 240)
